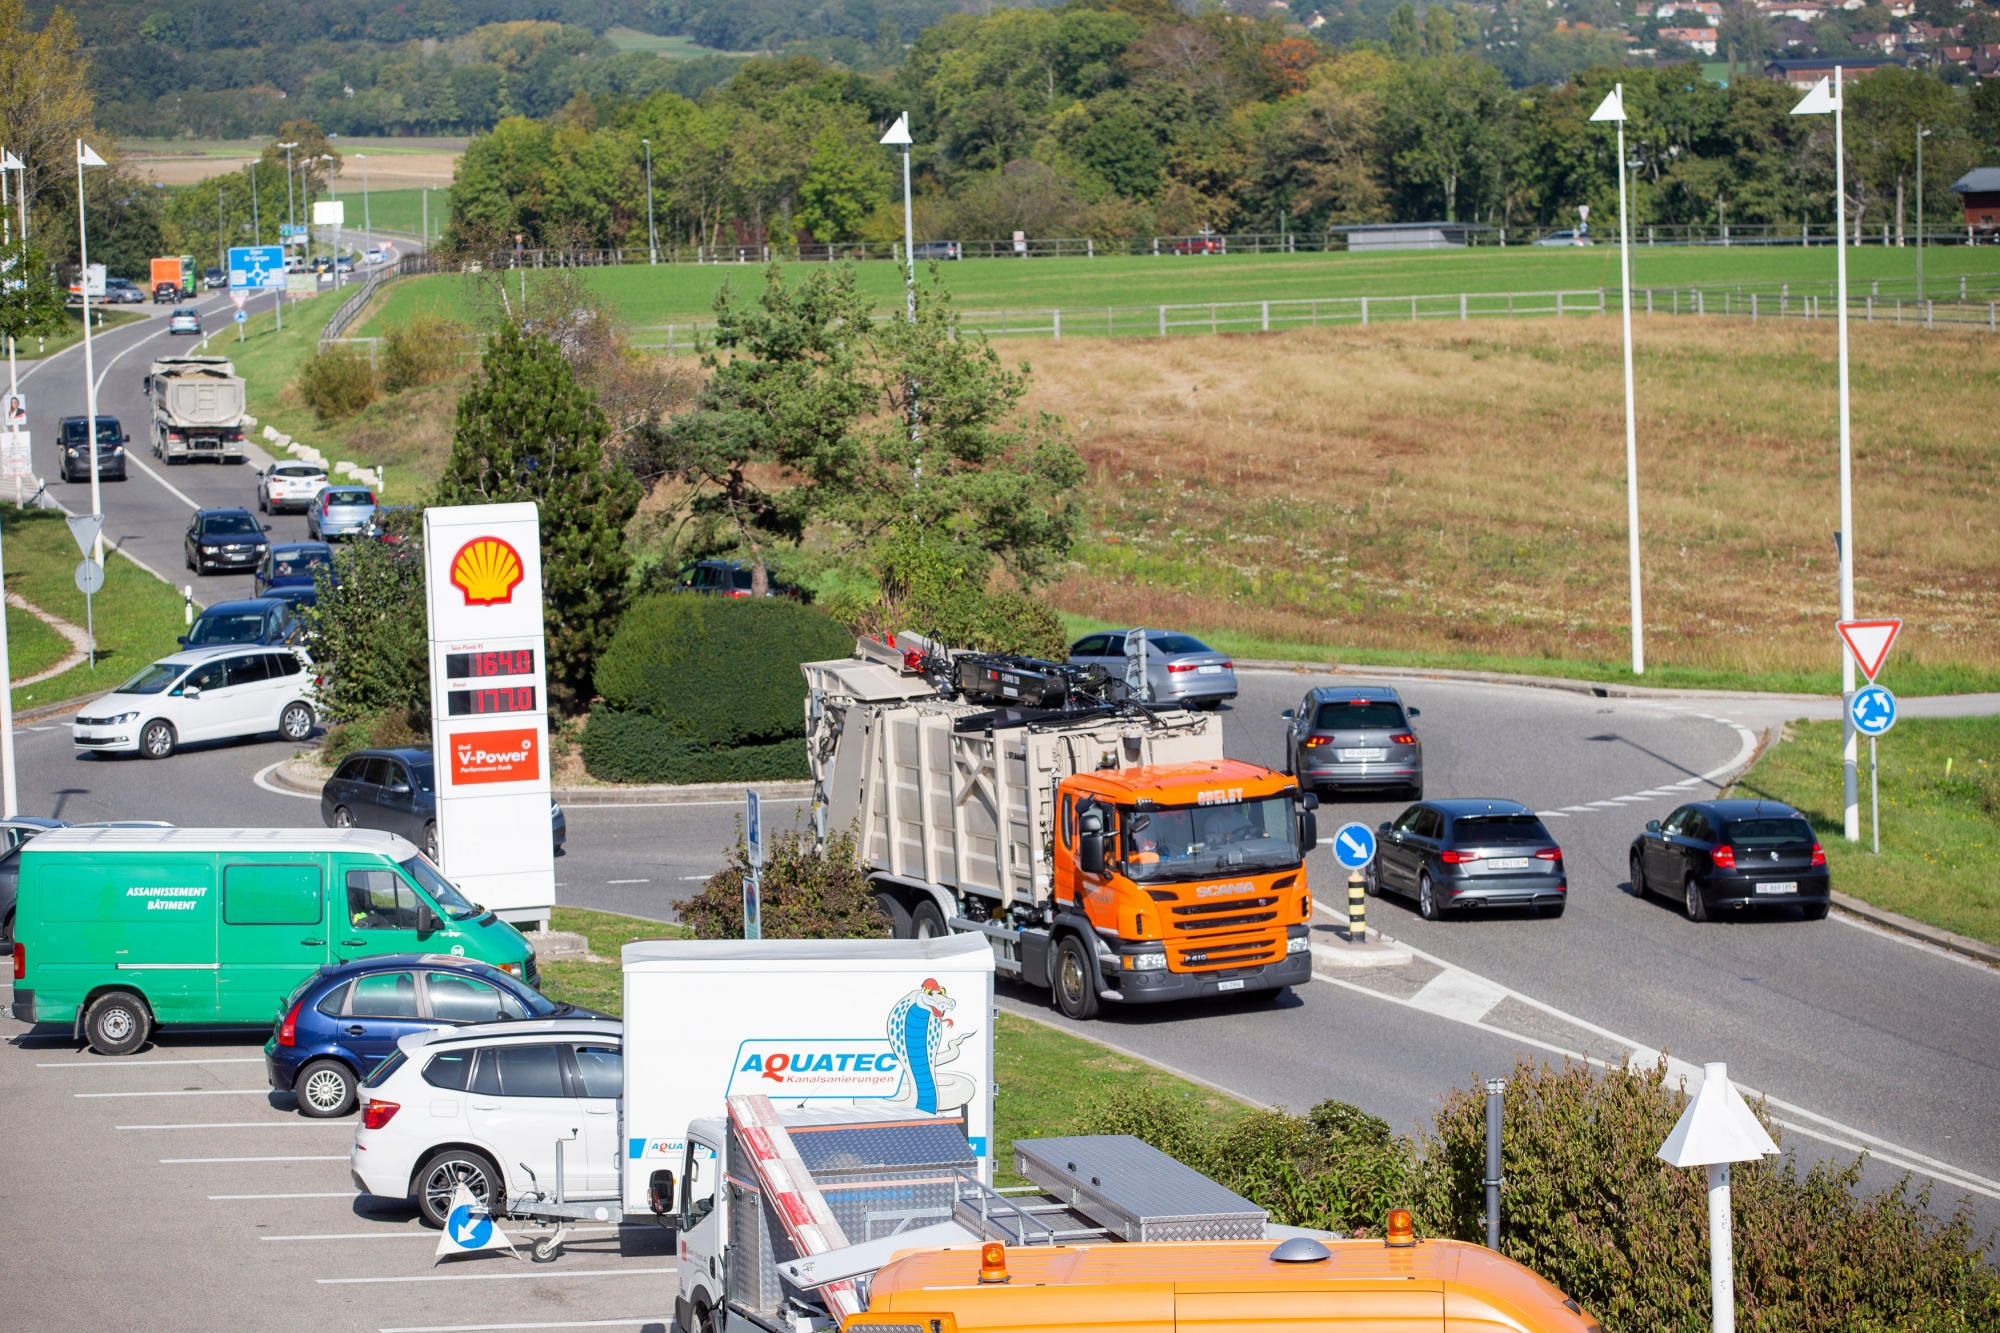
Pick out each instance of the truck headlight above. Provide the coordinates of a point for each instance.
(1145, 962)
(1299, 944)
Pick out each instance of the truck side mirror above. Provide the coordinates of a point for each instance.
(1090, 853)
(427, 920)
(1090, 820)
(1308, 832)
(1310, 800)
(660, 1192)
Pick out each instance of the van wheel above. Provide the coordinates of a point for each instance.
(343, 817)
(1075, 979)
(927, 923)
(440, 1176)
(117, 1023)
(157, 740)
(897, 911)
(296, 722)
(431, 841)
(325, 1089)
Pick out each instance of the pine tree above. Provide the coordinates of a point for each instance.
(527, 431)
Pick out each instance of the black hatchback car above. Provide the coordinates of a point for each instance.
(1450, 855)
(1735, 854)
(74, 463)
(223, 540)
(396, 790)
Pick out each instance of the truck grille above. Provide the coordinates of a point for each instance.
(1211, 916)
(1231, 953)
(1227, 922)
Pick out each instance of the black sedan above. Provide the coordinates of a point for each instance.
(1736, 854)
(219, 540)
(396, 790)
(1452, 855)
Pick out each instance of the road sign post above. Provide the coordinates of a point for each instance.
(10, 799)
(1354, 847)
(753, 889)
(1873, 712)
(86, 529)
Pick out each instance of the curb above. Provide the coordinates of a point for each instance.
(1978, 950)
(1502, 678)
(40, 711)
(293, 776)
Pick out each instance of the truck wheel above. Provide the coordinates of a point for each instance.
(1075, 979)
(325, 1089)
(117, 1023)
(440, 1176)
(897, 911)
(927, 923)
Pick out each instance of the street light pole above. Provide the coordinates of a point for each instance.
(1822, 100)
(367, 222)
(87, 157)
(1613, 109)
(1922, 134)
(652, 237)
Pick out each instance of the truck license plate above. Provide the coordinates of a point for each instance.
(1229, 985)
(1507, 862)
(1349, 756)
(1778, 888)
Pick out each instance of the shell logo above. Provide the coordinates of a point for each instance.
(487, 570)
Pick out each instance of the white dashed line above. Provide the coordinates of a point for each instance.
(204, 1161)
(544, 1274)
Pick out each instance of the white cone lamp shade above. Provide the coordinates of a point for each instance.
(1717, 1127)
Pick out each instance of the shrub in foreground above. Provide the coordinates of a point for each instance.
(803, 893)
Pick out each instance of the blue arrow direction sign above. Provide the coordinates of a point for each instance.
(257, 267)
(1873, 710)
(1354, 845)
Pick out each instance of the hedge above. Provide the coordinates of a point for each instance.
(803, 893)
(638, 747)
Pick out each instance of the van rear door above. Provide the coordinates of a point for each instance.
(274, 932)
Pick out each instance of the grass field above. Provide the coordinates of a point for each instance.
(1045, 1082)
(31, 645)
(1940, 860)
(1456, 495)
(102, 319)
(395, 210)
(137, 616)
(647, 294)
(392, 162)
(675, 47)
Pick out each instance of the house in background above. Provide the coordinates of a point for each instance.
(1979, 189)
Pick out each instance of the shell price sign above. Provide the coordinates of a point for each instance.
(489, 705)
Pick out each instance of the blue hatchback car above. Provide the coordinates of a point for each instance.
(292, 565)
(346, 1019)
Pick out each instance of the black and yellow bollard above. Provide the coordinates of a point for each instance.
(1357, 910)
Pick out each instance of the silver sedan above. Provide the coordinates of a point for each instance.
(1180, 668)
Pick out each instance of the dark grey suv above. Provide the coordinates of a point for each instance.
(396, 790)
(1354, 736)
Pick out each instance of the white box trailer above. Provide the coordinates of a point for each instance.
(902, 1026)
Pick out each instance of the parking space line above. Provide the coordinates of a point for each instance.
(135, 1064)
(331, 1194)
(252, 1124)
(186, 1092)
(543, 1273)
(503, 1327)
(425, 1234)
(201, 1161)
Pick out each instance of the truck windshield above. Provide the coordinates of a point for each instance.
(449, 900)
(1194, 842)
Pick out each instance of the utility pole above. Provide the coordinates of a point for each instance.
(256, 227)
(1613, 109)
(367, 225)
(221, 238)
(87, 157)
(1922, 134)
(652, 237)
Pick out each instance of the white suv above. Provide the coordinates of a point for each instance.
(289, 485)
(485, 1107)
(202, 694)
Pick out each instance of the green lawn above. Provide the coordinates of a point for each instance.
(676, 47)
(1914, 678)
(1045, 1081)
(31, 645)
(1940, 793)
(137, 616)
(393, 210)
(647, 294)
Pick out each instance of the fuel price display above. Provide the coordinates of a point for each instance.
(484, 665)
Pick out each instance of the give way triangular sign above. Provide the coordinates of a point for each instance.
(85, 527)
(1869, 641)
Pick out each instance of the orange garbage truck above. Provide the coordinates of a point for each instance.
(1103, 845)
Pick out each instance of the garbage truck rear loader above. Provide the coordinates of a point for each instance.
(1106, 849)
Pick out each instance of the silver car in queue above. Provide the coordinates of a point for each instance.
(1180, 668)
(340, 511)
(1354, 736)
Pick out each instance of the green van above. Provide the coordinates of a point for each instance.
(120, 929)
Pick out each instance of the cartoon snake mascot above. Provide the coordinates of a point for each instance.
(917, 1034)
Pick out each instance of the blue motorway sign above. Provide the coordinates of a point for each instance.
(1354, 845)
(257, 267)
(1873, 710)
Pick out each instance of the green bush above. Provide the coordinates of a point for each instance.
(939, 588)
(1589, 1205)
(396, 729)
(370, 643)
(427, 349)
(336, 383)
(707, 689)
(803, 893)
(638, 747)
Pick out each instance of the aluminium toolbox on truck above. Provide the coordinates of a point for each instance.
(901, 1026)
(971, 812)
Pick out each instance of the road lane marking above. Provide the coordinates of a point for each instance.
(252, 1124)
(202, 1161)
(136, 1064)
(429, 1235)
(331, 1194)
(186, 1092)
(499, 1277)
(1459, 995)
(263, 779)
(1551, 814)
(628, 881)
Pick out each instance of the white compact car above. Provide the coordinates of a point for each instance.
(485, 1106)
(289, 485)
(202, 694)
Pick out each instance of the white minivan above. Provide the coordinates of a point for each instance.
(485, 1106)
(202, 694)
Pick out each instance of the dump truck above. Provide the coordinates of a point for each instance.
(1104, 846)
(197, 404)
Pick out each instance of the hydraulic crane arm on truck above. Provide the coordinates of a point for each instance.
(1105, 848)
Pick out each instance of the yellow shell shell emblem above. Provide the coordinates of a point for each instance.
(487, 570)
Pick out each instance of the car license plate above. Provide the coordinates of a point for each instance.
(1350, 756)
(1209, 670)
(1778, 888)
(1229, 985)
(1507, 863)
